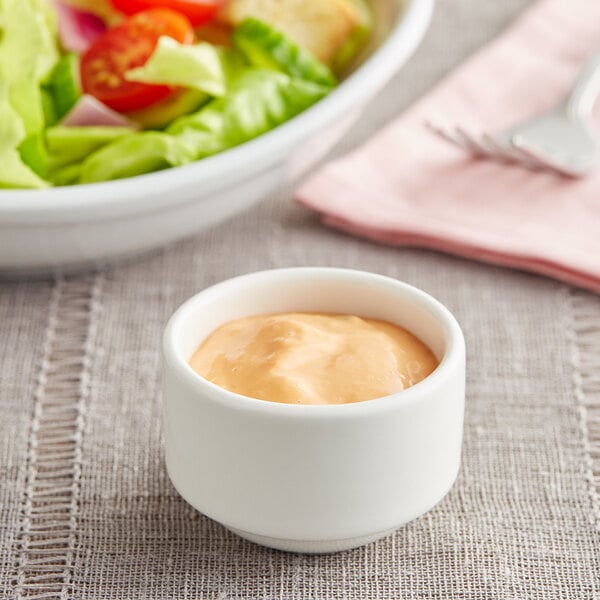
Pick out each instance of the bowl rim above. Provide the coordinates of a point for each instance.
(453, 358)
(147, 192)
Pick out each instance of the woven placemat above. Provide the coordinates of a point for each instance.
(86, 507)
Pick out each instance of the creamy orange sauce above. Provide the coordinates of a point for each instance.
(306, 358)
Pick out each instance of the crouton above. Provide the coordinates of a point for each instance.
(320, 26)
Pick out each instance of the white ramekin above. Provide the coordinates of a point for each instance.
(313, 478)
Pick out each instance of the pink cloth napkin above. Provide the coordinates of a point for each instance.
(407, 187)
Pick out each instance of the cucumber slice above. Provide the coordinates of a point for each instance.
(162, 114)
(268, 48)
(65, 84)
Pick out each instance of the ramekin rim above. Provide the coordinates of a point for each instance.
(453, 355)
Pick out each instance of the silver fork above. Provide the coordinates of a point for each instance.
(561, 140)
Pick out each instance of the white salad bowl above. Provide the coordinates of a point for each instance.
(313, 478)
(82, 226)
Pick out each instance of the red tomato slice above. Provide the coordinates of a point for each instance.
(197, 11)
(125, 47)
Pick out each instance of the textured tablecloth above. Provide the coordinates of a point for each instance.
(86, 507)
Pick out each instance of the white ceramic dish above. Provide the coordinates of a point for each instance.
(89, 225)
(313, 478)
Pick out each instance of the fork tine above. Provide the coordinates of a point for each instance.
(460, 137)
(445, 133)
(473, 143)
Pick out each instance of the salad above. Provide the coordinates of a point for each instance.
(96, 90)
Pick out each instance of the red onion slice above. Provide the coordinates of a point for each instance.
(77, 29)
(88, 112)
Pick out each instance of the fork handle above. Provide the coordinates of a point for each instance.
(585, 91)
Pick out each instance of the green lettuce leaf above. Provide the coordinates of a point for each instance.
(65, 84)
(14, 173)
(67, 175)
(34, 154)
(68, 145)
(48, 108)
(135, 154)
(12, 130)
(28, 53)
(195, 66)
(259, 100)
(27, 100)
(265, 46)
(28, 46)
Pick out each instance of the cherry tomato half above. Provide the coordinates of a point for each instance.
(197, 11)
(125, 47)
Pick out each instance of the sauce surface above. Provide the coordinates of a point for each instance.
(309, 358)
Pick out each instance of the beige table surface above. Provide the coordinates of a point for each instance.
(86, 508)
